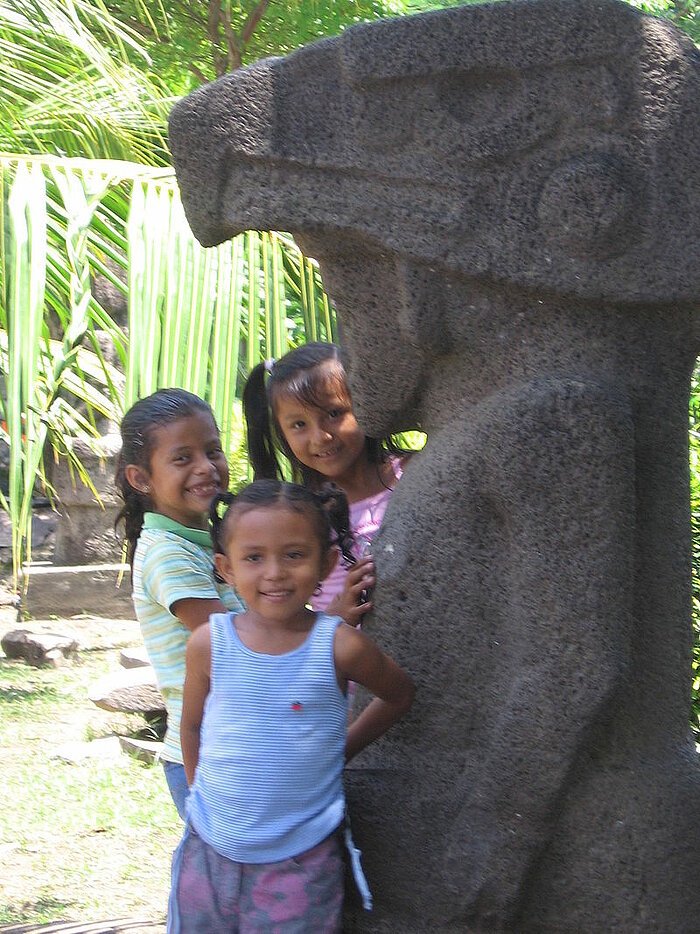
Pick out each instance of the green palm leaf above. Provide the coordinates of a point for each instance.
(64, 91)
(198, 318)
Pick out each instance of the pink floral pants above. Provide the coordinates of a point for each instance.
(214, 895)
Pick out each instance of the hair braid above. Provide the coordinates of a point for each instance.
(217, 521)
(335, 504)
(131, 514)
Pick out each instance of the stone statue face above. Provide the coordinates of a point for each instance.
(476, 146)
(380, 346)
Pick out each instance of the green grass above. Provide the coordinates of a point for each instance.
(43, 909)
(82, 841)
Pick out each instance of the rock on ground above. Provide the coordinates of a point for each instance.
(39, 649)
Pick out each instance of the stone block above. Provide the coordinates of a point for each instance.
(85, 527)
(98, 459)
(44, 520)
(39, 649)
(85, 535)
(98, 590)
(136, 657)
(132, 690)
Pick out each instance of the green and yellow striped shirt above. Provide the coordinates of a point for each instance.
(171, 563)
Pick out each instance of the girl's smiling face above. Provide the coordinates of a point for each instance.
(324, 437)
(187, 468)
(273, 556)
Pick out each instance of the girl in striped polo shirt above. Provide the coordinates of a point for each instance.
(170, 467)
(264, 723)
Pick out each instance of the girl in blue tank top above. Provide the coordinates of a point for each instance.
(264, 728)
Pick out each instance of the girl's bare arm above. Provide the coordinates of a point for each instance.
(197, 680)
(194, 611)
(358, 659)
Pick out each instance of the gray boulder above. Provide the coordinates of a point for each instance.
(39, 649)
(135, 657)
(131, 690)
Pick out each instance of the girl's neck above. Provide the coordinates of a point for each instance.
(365, 479)
(199, 523)
(273, 637)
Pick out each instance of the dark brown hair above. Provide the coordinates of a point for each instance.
(327, 507)
(137, 430)
(297, 374)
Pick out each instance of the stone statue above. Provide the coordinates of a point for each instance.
(504, 201)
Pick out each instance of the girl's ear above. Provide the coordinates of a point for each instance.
(223, 566)
(329, 561)
(137, 477)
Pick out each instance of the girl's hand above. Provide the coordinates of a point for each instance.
(347, 604)
(358, 659)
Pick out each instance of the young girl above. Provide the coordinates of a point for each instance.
(170, 467)
(299, 408)
(264, 722)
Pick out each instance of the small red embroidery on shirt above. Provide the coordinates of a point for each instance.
(297, 705)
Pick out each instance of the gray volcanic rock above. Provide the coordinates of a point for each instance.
(129, 690)
(39, 649)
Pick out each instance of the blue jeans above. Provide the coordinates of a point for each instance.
(177, 785)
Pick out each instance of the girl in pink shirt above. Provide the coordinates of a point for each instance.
(299, 411)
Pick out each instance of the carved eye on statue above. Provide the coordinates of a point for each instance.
(480, 98)
(587, 205)
(485, 115)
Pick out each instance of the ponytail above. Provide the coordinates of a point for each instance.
(335, 504)
(262, 451)
(131, 514)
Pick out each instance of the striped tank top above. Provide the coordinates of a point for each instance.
(268, 783)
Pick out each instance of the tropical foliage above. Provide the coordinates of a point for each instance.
(685, 14)
(76, 82)
(197, 318)
(45, 277)
(193, 41)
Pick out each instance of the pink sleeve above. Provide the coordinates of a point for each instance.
(365, 518)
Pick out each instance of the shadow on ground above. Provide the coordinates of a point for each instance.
(89, 927)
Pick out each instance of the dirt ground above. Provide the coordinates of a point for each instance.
(91, 632)
(98, 638)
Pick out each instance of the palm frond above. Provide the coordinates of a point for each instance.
(198, 318)
(64, 91)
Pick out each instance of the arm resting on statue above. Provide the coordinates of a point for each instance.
(571, 497)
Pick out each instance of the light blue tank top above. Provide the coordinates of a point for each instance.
(268, 783)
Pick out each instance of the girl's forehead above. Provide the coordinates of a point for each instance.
(272, 521)
(320, 387)
(187, 428)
